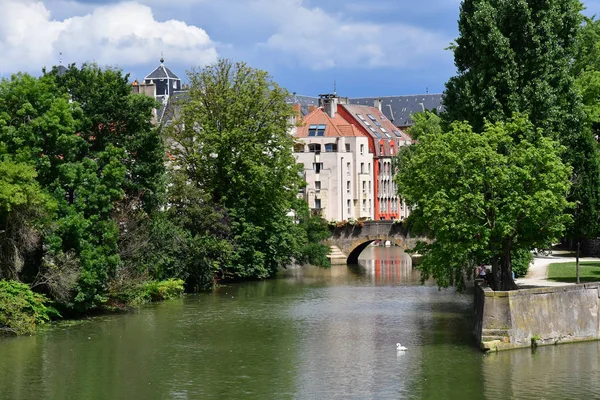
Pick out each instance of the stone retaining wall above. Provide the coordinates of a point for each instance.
(539, 316)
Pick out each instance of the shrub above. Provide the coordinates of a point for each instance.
(164, 290)
(520, 260)
(22, 310)
(135, 294)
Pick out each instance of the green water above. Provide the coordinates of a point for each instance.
(310, 334)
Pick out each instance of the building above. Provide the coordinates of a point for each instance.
(164, 79)
(347, 151)
(385, 139)
(338, 166)
(397, 109)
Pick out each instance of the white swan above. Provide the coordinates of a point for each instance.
(399, 347)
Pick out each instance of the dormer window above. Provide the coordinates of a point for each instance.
(317, 130)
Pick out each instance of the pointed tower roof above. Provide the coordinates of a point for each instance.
(161, 72)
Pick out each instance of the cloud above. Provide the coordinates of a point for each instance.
(318, 40)
(124, 34)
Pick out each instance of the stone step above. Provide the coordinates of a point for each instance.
(493, 338)
(494, 332)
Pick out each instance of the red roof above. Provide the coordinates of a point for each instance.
(335, 127)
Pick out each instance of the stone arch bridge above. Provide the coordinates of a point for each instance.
(353, 239)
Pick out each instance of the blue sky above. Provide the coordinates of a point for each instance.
(369, 47)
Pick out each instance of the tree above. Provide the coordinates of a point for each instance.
(24, 211)
(522, 56)
(483, 196)
(232, 144)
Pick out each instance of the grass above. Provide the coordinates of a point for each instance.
(589, 271)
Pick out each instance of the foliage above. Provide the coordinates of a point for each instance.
(21, 310)
(513, 57)
(23, 209)
(589, 271)
(483, 196)
(164, 290)
(533, 58)
(313, 230)
(83, 148)
(133, 294)
(520, 260)
(232, 145)
(424, 123)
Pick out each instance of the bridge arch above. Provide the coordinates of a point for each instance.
(359, 246)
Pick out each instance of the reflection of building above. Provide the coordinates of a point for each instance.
(387, 265)
(347, 153)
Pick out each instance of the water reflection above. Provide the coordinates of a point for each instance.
(311, 334)
(387, 266)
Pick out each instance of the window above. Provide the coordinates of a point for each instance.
(347, 147)
(318, 167)
(369, 168)
(348, 169)
(360, 117)
(317, 185)
(316, 130)
(362, 167)
(318, 203)
(364, 205)
(372, 118)
(348, 186)
(330, 147)
(395, 132)
(349, 208)
(299, 148)
(381, 149)
(378, 124)
(364, 187)
(362, 149)
(369, 186)
(314, 147)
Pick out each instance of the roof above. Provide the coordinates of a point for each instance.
(399, 108)
(305, 102)
(375, 124)
(335, 127)
(161, 72)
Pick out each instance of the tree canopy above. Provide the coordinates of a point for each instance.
(232, 146)
(482, 196)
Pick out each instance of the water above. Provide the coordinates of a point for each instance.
(311, 334)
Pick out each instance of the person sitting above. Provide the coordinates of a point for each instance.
(482, 273)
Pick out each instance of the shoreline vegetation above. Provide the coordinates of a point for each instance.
(102, 210)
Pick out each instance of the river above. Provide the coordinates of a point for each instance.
(309, 334)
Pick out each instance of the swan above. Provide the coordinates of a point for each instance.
(399, 347)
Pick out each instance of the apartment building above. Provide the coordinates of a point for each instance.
(338, 166)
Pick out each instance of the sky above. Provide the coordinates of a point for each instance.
(366, 47)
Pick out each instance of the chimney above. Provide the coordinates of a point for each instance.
(377, 104)
(329, 103)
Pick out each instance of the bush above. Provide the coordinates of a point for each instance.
(135, 294)
(22, 310)
(164, 290)
(520, 260)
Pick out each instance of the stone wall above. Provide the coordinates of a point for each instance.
(539, 316)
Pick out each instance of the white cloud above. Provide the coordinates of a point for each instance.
(318, 40)
(125, 34)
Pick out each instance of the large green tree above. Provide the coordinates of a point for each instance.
(483, 196)
(232, 143)
(522, 56)
(91, 146)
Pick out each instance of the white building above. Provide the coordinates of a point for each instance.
(338, 166)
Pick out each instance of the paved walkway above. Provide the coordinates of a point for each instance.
(538, 272)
